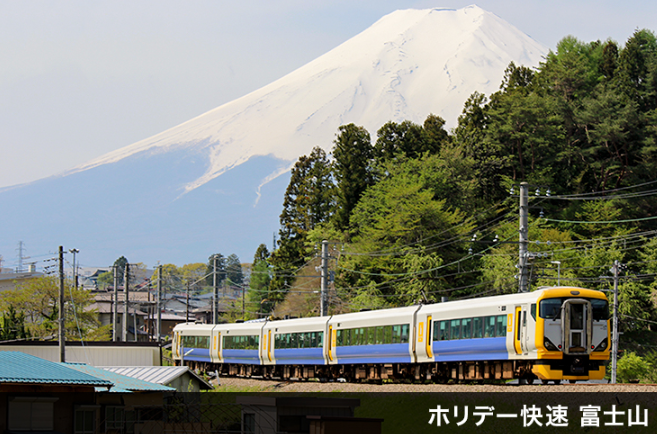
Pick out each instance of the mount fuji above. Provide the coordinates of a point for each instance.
(215, 183)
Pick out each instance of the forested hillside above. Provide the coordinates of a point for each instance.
(419, 213)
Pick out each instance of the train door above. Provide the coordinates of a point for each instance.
(329, 345)
(215, 352)
(421, 337)
(520, 335)
(176, 345)
(266, 353)
(577, 325)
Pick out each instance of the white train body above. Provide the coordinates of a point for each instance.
(558, 333)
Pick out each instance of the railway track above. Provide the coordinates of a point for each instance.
(234, 384)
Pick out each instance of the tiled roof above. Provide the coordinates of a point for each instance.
(122, 383)
(17, 368)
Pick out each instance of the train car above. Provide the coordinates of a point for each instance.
(372, 345)
(295, 348)
(559, 333)
(551, 334)
(192, 344)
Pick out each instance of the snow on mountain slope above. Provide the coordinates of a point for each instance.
(408, 64)
(189, 192)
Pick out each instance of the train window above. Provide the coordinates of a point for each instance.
(533, 311)
(396, 334)
(339, 337)
(285, 340)
(501, 326)
(489, 327)
(444, 330)
(436, 330)
(387, 330)
(466, 328)
(455, 329)
(550, 308)
(294, 340)
(404, 333)
(320, 339)
(371, 335)
(379, 335)
(600, 309)
(477, 327)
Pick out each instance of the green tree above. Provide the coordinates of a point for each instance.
(13, 325)
(308, 202)
(352, 168)
(38, 301)
(258, 298)
(234, 270)
(220, 271)
(402, 222)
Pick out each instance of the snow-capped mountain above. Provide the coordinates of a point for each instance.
(213, 184)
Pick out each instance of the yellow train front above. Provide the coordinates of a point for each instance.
(572, 335)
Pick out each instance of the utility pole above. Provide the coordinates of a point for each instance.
(126, 302)
(558, 264)
(115, 314)
(157, 303)
(62, 331)
(523, 251)
(614, 338)
(75, 270)
(215, 298)
(187, 303)
(323, 305)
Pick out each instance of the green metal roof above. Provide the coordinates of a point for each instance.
(20, 368)
(122, 383)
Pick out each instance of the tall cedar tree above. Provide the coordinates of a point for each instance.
(308, 202)
(258, 298)
(352, 168)
(234, 270)
(221, 269)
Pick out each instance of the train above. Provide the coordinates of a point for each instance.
(550, 334)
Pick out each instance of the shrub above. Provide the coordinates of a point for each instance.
(632, 367)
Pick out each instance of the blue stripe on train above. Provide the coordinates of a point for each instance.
(196, 354)
(385, 353)
(470, 349)
(299, 356)
(245, 357)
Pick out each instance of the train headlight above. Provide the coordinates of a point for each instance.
(549, 345)
(602, 345)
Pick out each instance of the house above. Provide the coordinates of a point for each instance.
(10, 278)
(140, 304)
(168, 322)
(180, 378)
(38, 395)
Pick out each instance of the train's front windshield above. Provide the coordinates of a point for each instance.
(550, 308)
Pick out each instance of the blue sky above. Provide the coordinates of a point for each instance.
(82, 78)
